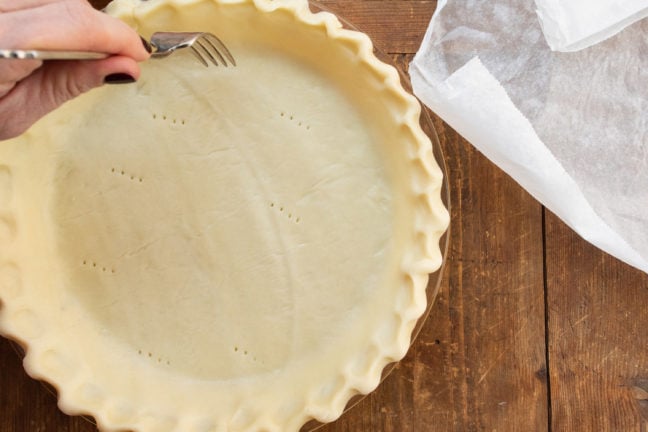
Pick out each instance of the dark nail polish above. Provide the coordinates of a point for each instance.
(119, 78)
(147, 45)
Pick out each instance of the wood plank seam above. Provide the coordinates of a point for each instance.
(546, 314)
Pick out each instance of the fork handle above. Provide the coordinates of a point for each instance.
(50, 55)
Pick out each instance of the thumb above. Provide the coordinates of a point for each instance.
(54, 84)
(62, 81)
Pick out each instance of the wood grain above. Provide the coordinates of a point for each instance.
(27, 405)
(598, 343)
(394, 26)
(490, 317)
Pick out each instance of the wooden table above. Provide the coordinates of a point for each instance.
(533, 329)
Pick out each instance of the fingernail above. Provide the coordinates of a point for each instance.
(119, 78)
(147, 45)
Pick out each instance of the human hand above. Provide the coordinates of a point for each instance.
(29, 89)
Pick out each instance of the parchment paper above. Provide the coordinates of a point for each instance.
(571, 25)
(572, 128)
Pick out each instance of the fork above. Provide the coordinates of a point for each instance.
(205, 46)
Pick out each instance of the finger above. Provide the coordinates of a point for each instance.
(71, 25)
(13, 5)
(52, 85)
(12, 71)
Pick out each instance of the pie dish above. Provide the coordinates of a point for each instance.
(232, 249)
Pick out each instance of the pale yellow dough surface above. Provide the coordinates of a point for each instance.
(224, 249)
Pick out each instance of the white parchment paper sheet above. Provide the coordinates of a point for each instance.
(571, 128)
(571, 25)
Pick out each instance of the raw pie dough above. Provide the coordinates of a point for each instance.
(222, 249)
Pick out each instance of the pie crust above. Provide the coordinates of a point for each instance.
(222, 249)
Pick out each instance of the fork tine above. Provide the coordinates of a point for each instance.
(220, 47)
(211, 49)
(198, 55)
(208, 52)
(205, 46)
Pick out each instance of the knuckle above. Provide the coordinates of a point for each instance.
(74, 88)
(74, 9)
(79, 13)
(86, 23)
